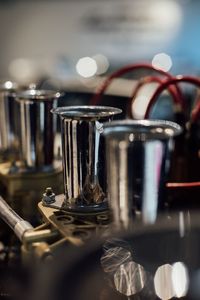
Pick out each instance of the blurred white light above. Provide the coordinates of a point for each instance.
(23, 70)
(139, 105)
(142, 99)
(32, 92)
(131, 137)
(113, 258)
(102, 63)
(180, 279)
(8, 84)
(163, 282)
(86, 67)
(162, 61)
(166, 14)
(130, 278)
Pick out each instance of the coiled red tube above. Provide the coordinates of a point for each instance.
(129, 68)
(187, 79)
(150, 79)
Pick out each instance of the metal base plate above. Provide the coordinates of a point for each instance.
(60, 203)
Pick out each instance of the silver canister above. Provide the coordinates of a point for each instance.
(138, 159)
(38, 128)
(83, 156)
(8, 120)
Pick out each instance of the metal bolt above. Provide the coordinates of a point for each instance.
(48, 196)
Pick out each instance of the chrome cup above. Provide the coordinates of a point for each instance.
(138, 159)
(8, 123)
(83, 156)
(38, 128)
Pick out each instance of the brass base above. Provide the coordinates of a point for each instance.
(71, 224)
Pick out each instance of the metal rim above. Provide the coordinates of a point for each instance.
(161, 128)
(37, 95)
(86, 111)
(8, 86)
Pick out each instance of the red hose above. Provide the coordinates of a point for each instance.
(166, 84)
(183, 184)
(149, 79)
(129, 68)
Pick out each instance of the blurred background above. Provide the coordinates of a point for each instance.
(65, 39)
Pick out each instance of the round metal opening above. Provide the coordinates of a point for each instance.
(86, 111)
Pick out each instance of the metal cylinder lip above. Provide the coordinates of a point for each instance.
(87, 112)
(37, 95)
(161, 129)
(8, 86)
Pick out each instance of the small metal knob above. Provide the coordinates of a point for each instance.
(48, 196)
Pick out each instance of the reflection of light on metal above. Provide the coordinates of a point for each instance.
(113, 258)
(159, 130)
(102, 63)
(86, 67)
(8, 85)
(180, 279)
(169, 131)
(181, 224)
(162, 61)
(130, 278)
(32, 92)
(163, 282)
(123, 183)
(153, 157)
(131, 137)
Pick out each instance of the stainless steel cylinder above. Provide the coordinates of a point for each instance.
(83, 155)
(138, 158)
(37, 130)
(8, 116)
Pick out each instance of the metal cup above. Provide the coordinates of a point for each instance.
(137, 154)
(38, 128)
(8, 116)
(83, 155)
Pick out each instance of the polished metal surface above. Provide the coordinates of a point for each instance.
(138, 159)
(8, 113)
(38, 127)
(83, 155)
(13, 220)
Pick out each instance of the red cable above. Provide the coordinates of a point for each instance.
(129, 68)
(195, 112)
(150, 79)
(183, 184)
(164, 85)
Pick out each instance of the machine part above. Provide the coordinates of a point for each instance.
(37, 131)
(83, 156)
(138, 160)
(21, 189)
(8, 125)
(13, 220)
(72, 224)
(48, 196)
(59, 228)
